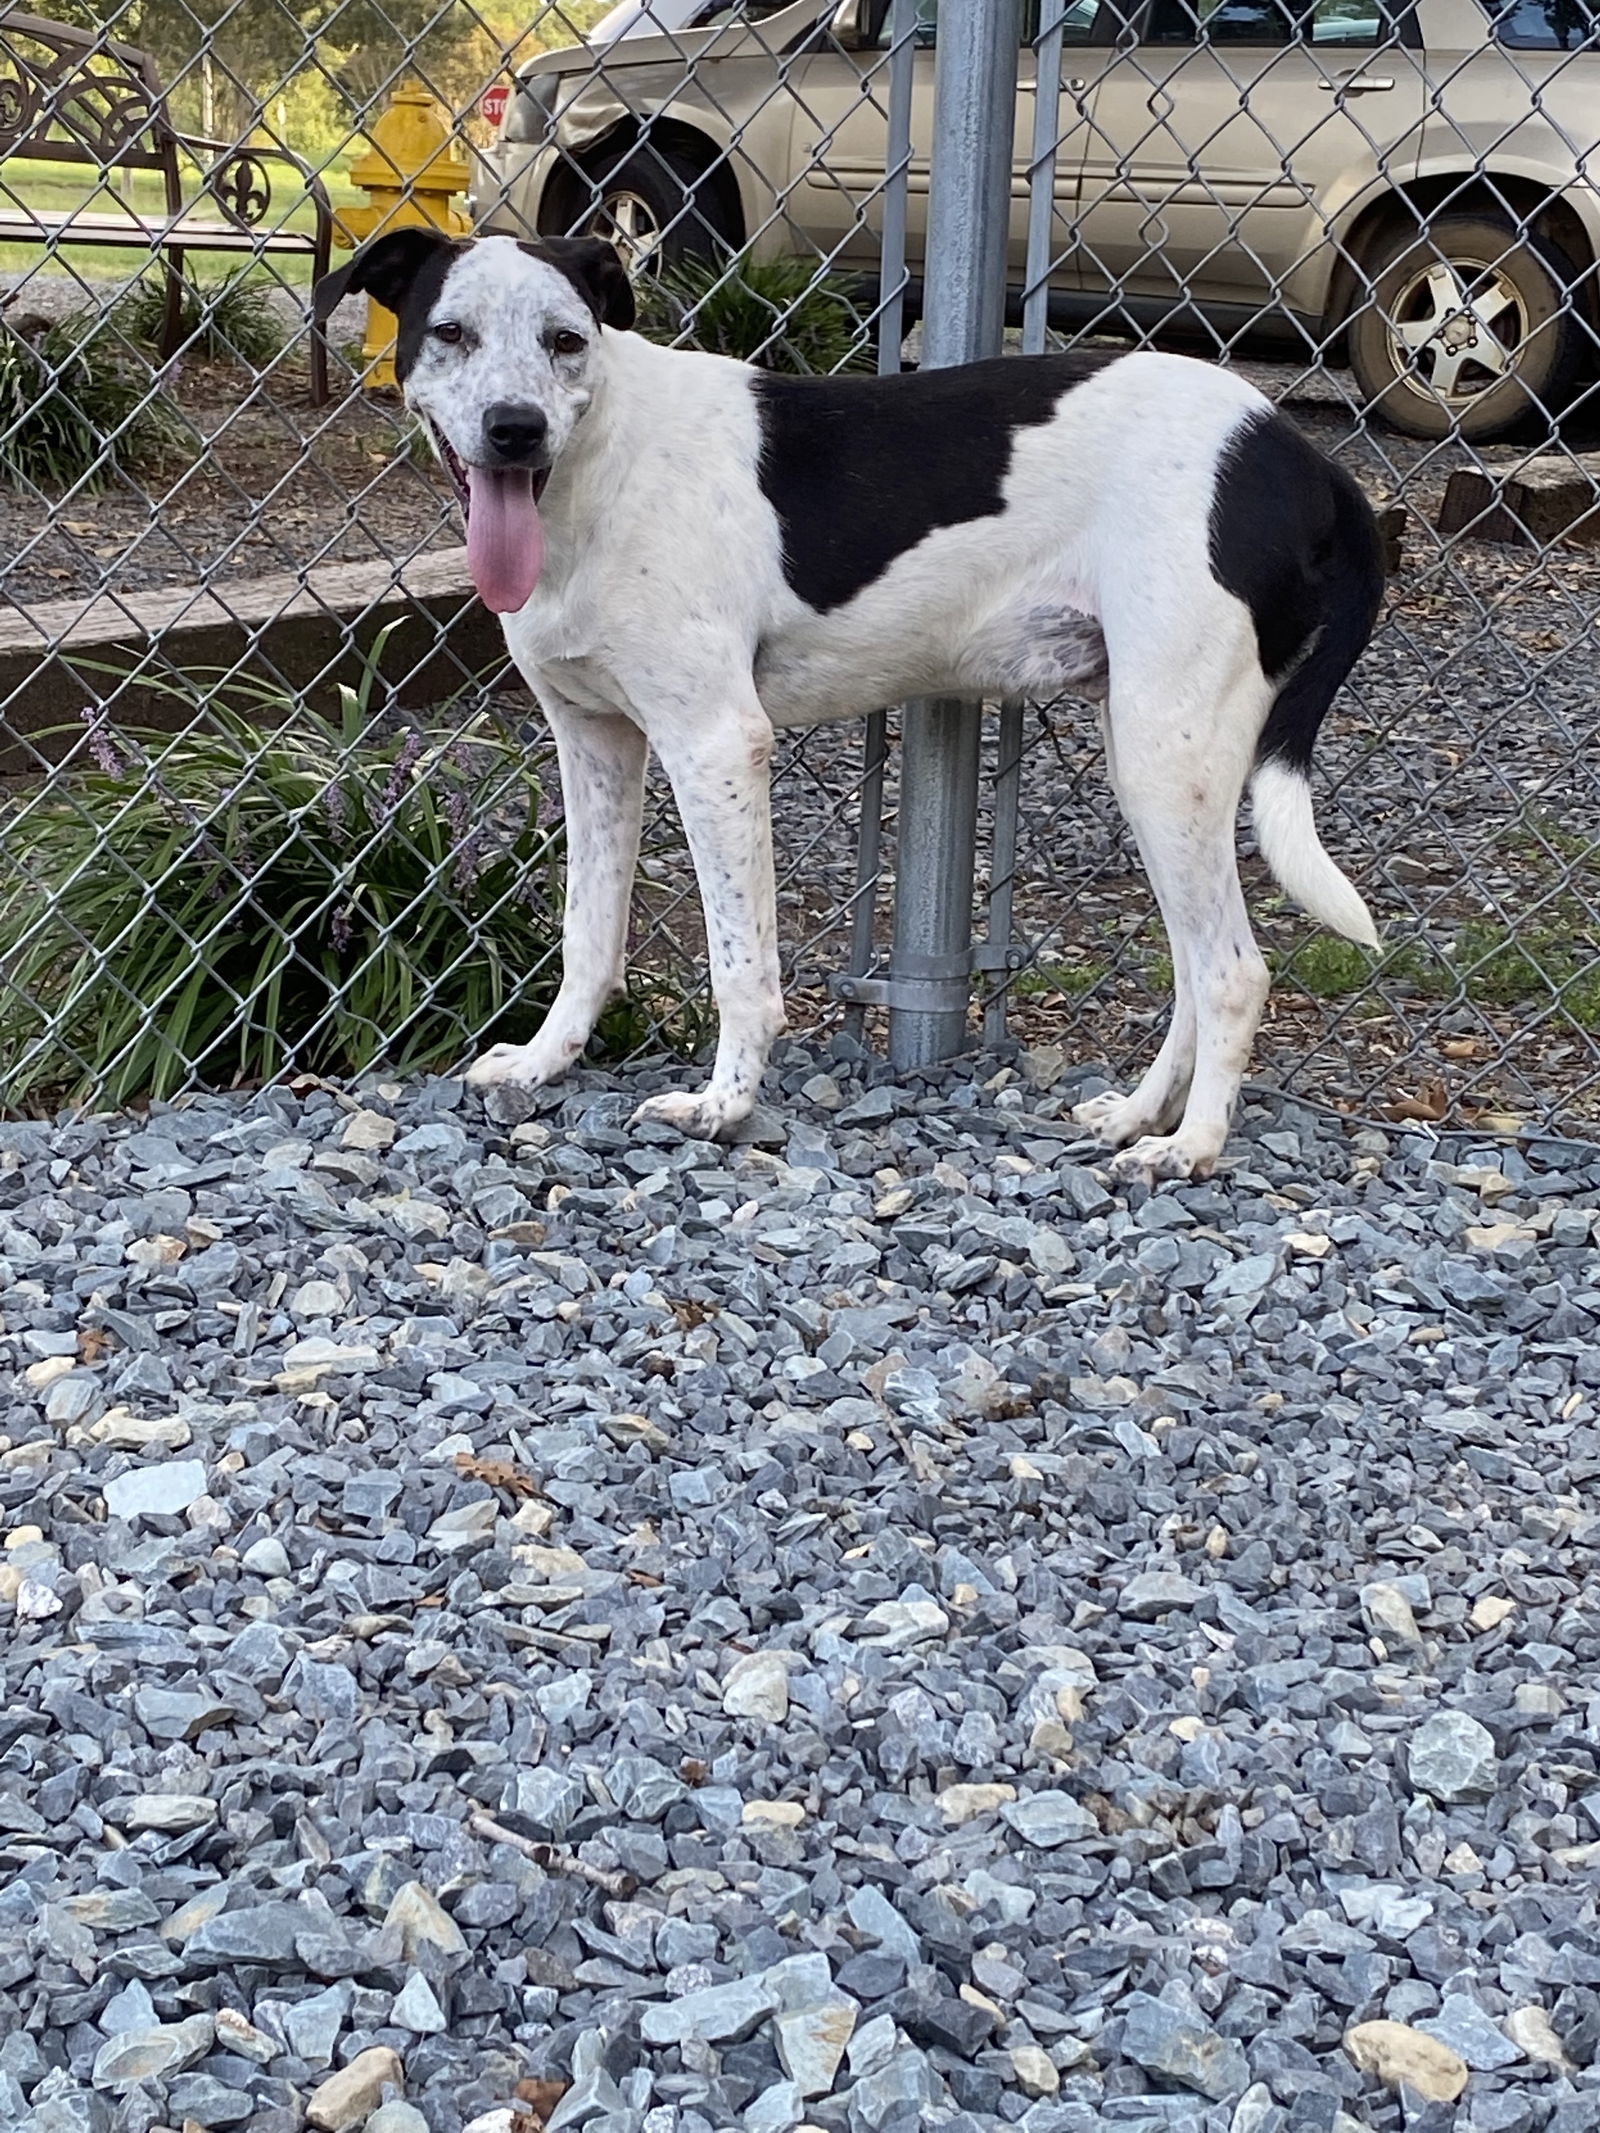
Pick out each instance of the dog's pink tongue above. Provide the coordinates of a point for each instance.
(505, 541)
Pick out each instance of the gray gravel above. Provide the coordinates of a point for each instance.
(870, 1629)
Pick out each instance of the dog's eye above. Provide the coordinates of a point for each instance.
(448, 331)
(567, 344)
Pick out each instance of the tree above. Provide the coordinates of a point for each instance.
(233, 65)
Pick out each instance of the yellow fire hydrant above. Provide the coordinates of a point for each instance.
(409, 177)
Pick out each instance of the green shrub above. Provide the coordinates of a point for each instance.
(782, 314)
(73, 408)
(227, 321)
(273, 887)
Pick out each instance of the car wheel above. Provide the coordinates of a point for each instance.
(655, 207)
(1471, 329)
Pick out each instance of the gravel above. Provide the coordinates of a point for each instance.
(867, 1629)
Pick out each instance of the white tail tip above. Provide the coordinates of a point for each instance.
(1280, 805)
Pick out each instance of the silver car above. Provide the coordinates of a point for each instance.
(1415, 182)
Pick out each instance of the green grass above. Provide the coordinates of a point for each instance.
(61, 187)
(1536, 965)
(1497, 966)
(1073, 981)
(273, 887)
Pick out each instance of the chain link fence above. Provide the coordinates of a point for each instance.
(272, 800)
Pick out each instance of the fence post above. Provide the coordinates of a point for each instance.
(969, 208)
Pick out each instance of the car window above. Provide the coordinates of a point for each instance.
(641, 17)
(646, 18)
(927, 23)
(1547, 25)
(1272, 22)
(1077, 25)
(716, 18)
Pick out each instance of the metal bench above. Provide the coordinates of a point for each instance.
(77, 96)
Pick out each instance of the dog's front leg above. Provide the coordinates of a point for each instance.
(721, 778)
(602, 758)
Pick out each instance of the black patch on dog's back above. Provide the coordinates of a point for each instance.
(859, 470)
(1293, 537)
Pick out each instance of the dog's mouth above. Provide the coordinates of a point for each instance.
(505, 538)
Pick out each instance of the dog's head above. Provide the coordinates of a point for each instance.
(496, 351)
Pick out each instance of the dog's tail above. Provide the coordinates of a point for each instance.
(1280, 788)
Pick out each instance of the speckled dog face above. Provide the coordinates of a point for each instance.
(497, 351)
(501, 330)
(491, 325)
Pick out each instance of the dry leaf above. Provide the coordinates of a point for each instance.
(1497, 1122)
(643, 1577)
(498, 1473)
(1429, 1106)
(691, 1312)
(541, 2097)
(92, 1344)
(308, 1084)
(694, 1772)
(1460, 1048)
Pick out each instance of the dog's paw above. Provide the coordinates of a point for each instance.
(1169, 1155)
(698, 1116)
(501, 1066)
(1115, 1120)
(522, 1066)
(1099, 1116)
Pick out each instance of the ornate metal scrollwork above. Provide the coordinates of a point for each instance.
(65, 89)
(242, 189)
(20, 99)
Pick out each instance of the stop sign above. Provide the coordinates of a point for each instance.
(494, 101)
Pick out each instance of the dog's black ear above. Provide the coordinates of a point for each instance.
(386, 268)
(596, 272)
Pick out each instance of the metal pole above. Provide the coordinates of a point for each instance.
(969, 211)
(1042, 175)
(891, 341)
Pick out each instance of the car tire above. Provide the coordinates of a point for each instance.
(1471, 330)
(656, 208)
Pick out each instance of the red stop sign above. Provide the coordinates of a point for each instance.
(494, 101)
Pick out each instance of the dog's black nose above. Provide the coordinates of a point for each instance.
(515, 434)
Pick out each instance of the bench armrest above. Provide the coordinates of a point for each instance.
(233, 176)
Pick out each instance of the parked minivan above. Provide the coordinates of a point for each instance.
(1415, 182)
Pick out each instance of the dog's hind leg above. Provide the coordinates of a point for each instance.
(721, 778)
(1179, 767)
(602, 758)
(1156, 1105)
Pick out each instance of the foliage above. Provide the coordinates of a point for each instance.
(269, 887)
(73, 406)
(783, 314)
(310, 69)
(229, 321)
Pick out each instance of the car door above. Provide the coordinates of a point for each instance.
(842, 135)
(1228, 139)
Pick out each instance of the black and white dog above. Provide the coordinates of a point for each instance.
(689, 552)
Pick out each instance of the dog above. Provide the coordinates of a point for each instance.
(688, 552)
